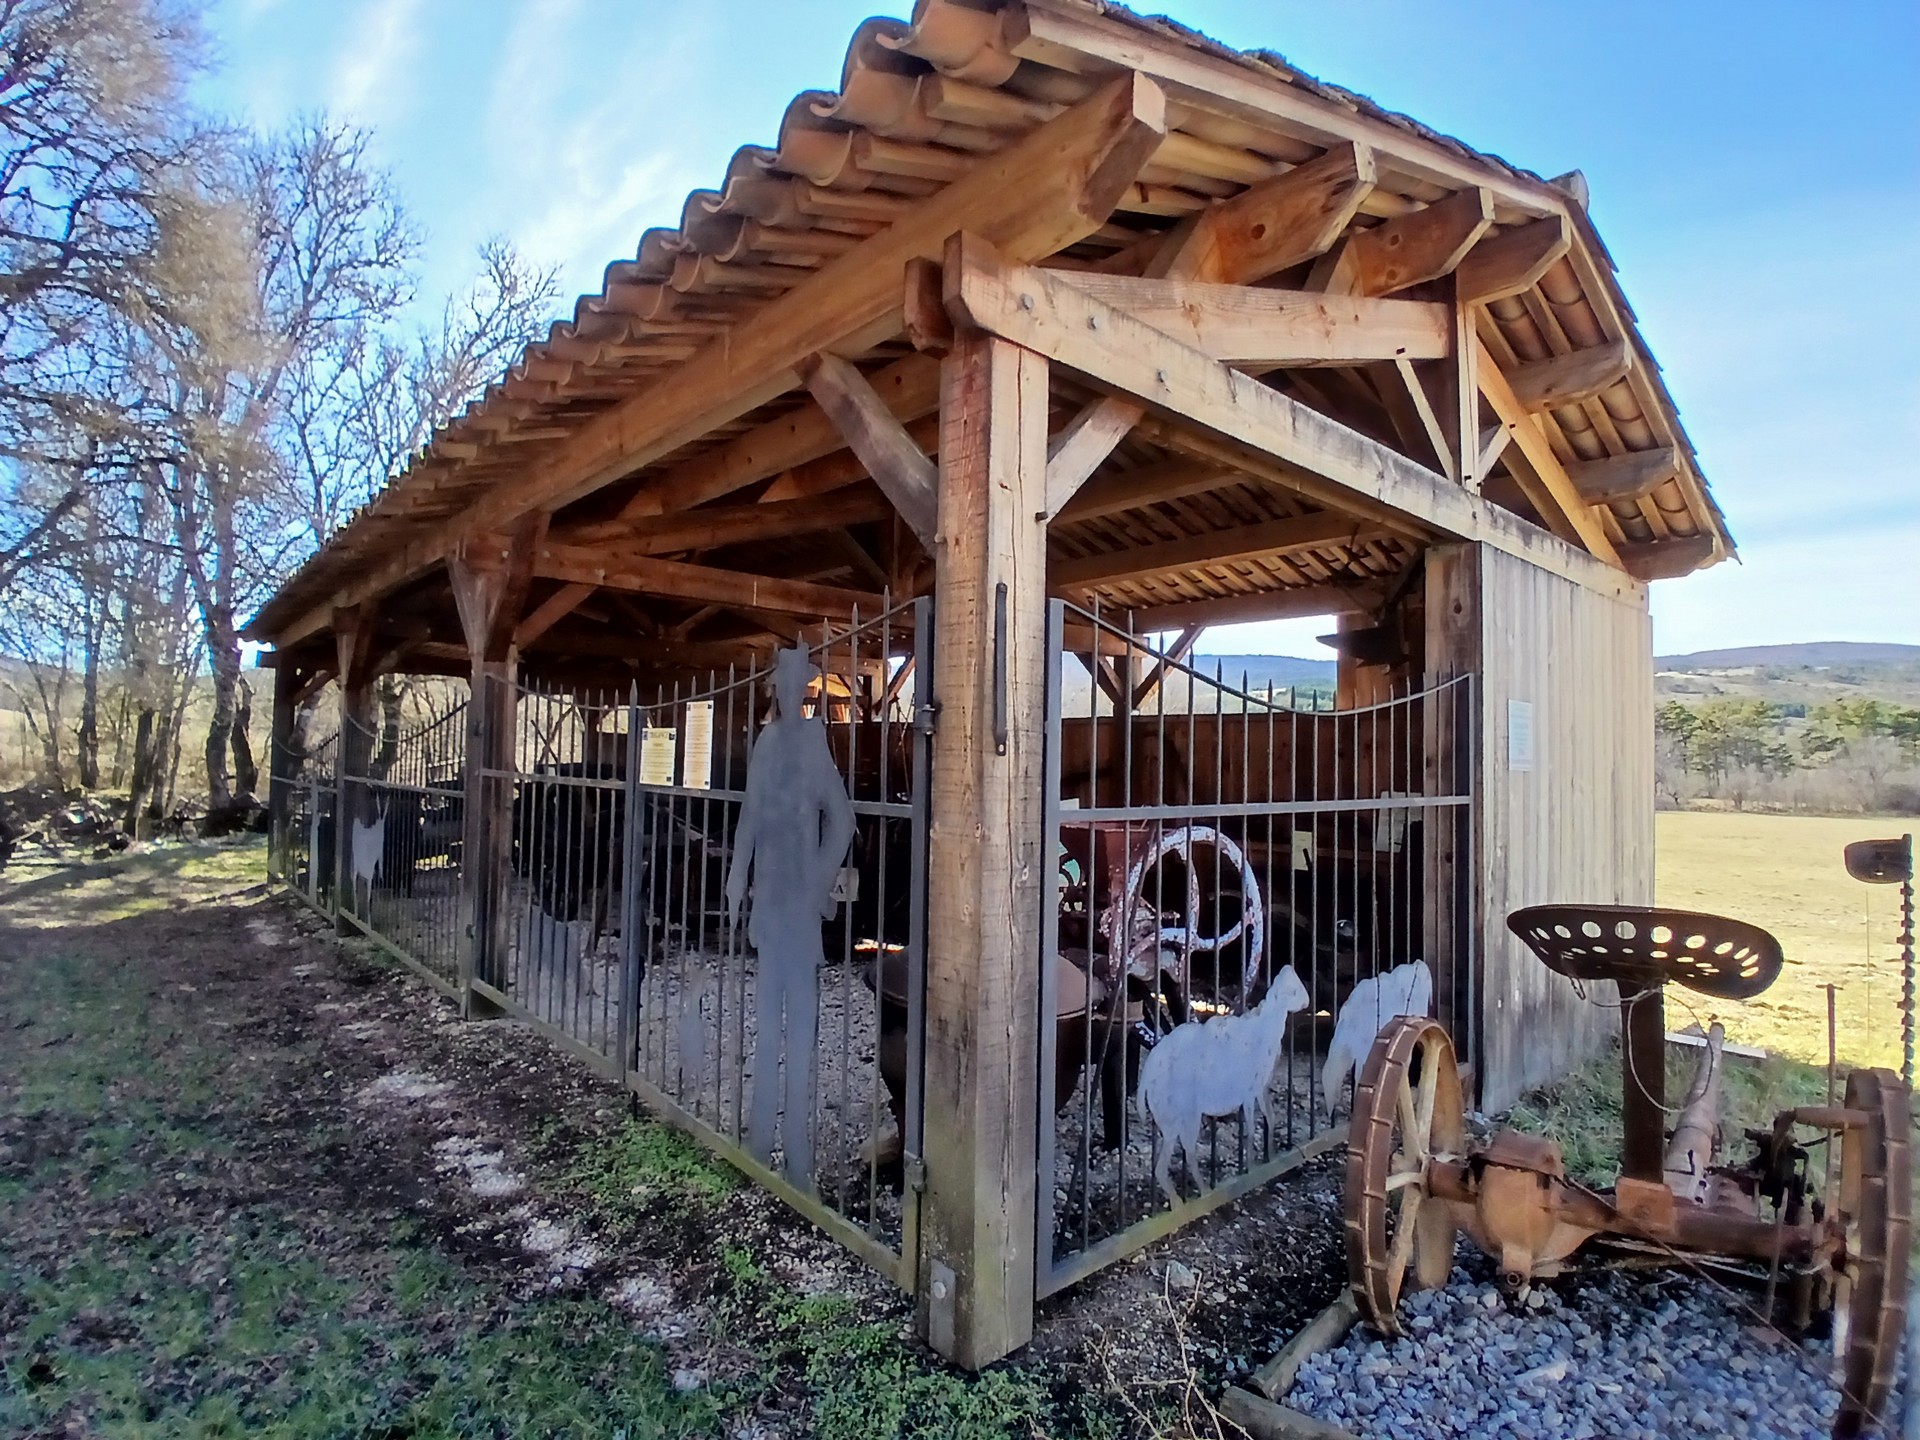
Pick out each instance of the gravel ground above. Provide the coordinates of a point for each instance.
(1627, 1356)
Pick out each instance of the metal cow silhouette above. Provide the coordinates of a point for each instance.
(795, 826)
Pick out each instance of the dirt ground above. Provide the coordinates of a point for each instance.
(257, 1180)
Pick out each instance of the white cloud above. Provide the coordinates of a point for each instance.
(581, 165)
(379, 46)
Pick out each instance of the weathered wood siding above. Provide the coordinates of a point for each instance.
(1577, 826)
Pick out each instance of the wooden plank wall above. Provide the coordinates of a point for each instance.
(1579, 825)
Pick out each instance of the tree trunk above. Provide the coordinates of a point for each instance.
(87, 738)
(143, 758)
(120, 744)
(246, 770)
(223, 659)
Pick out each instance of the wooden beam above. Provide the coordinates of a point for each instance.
(1268, 329)
(1667, 559)
(1182, 647)
(1617, 478)
(1083, 443)
(1568, 379)
(1290, 604)
(1114, 494)
(489, 575)
(984, 922)
(910, 388)
(713, 526)
(1513, 260)
(1278, 223)
(1548, 485)
(1048, 315)
(1419, 246)
(1267, 540)
(675, 580)
(928, 327)
(550, 612)
(898, 466)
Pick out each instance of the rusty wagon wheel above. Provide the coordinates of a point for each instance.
(1870, 1296)
(1406, 1109)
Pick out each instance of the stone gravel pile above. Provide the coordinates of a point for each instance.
(1623, 1355)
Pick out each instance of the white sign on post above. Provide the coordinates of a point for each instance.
(699, 763)
(1520, 735)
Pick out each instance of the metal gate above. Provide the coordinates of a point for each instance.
(1211, 836)
(401, 884)
(617, 936)
(301, 848)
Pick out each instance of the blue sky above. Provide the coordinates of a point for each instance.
(1755, 170)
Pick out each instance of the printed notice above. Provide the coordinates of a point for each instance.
(657, 755)
(699, 768)
(1520, 735)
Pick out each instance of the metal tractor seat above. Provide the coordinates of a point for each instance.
(1641, 948)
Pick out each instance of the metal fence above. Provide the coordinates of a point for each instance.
(405, 818)
(797, 1058)
(301, 849)
(1215, 840)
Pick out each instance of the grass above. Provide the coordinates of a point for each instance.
(1784, 873)
(151, 1286)
(178, 1261)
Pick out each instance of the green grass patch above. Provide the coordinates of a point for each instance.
(865, 1383)
(642, 1159)
(155, 1286)
(1583, 1111)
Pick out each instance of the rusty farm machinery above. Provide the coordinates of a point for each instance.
(1827, 1237)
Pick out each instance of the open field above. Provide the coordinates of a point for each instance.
(1784, 872)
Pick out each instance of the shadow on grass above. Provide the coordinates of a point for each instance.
(152, 877)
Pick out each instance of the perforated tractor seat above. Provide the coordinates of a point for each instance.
(1640, 948)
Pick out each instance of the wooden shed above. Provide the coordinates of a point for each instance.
(1053, 337)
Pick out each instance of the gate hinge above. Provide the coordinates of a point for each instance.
(924, 716)
(914, 1170)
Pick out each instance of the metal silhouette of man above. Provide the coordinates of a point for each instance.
(795, 826)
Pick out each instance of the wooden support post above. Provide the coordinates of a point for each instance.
(286, 684)
(984, 923)
(1450, 765)
(490, 578)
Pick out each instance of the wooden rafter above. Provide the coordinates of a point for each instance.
(1288, 604)
(1513, 260)
(1174, 654)
(898, 466)
(1113, 494)
(1410, 250)
(1079, 448)
(1270, 539)
(1631, 476)
(1569, 379)
(550, 612)
(1268, 329)
(1540, 472)
(675, 580)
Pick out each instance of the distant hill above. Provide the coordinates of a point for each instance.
(1280, 671)
(1795, 677)
(1813, 655)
